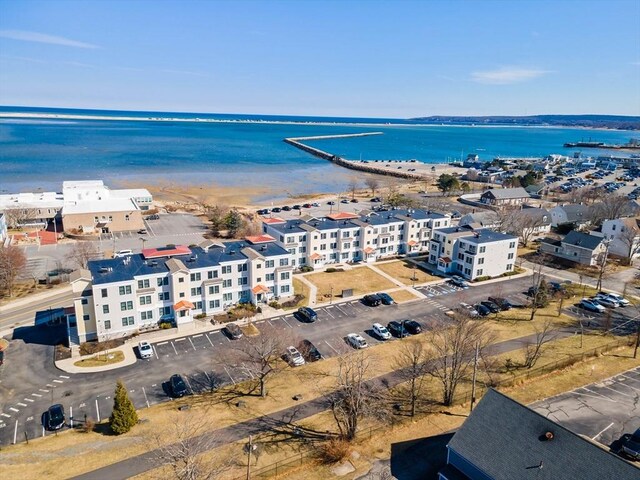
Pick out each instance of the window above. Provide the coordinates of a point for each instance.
(86, 318)
(469, 260)
(333, 245)
(195, 277)
(105, 308)
(226, 283)
(512, 245)
(284, 262)
(479, 272)
(510, 266)
(107, 324)
(258, 265)
(124, 290)
(284, 276)
(226, 269)
(323, 236)
(214, 289)
(143, 283)
(323, 246)
(212, 274)
(196, 291)
(346, 245)
(126, 217)
(163, 281)
(510, 256)
(460, 256)
(181, 280)
(214, 303)
(84, 301)
(481, 261)
(103, 292)
(147, 315)
(284, 289)
(181, 295)
(126, 321)
(482, 249)
(145, 300)
(163, 296)
(242, 267)
(269, 264)
(164, 311)
(126, 305)
(227, 297)
(334, 234)
(270, 277)
(242, 281)
(197, 305)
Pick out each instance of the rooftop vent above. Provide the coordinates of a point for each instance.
(232, 252)
(263, 248)
(153, 263)
(103, 270)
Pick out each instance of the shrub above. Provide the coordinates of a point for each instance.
(483, 278)
(293, 302)
(200, 316)
(123, 416)
(88, 426)
(274, 304)
(334, 450)
(334, 269)
(165, 325)
(306, 268)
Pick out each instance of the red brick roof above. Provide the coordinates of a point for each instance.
(342, 216)
(369, 250)
(166, 251)
(260, 239)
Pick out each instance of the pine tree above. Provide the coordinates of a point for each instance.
(124, 415)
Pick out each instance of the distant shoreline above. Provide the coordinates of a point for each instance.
(161, 119)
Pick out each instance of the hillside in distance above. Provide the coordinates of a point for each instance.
(621, 122)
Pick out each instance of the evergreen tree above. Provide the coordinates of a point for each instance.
(234, 222)
(124, 415)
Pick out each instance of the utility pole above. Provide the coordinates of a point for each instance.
(635, 348)
(473, 384)
(249, 459)
(604, 265)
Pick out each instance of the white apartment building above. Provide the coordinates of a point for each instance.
(473, 253)
(347, 237)
(118, 297)
(624, 236)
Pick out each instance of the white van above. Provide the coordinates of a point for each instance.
(122, 253)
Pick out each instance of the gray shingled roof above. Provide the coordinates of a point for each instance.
(505, 440)
(577, 213)
(583, 240)
(507, 193)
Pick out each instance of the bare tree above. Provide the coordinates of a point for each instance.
(12, 262)
(373, 184)
(260, 356)
(82, 252)
(534, 350)
(629, 235)
(539, 293)
(454, 347)
(522, 223)
(611, 207)
(352, 186)
(18, 217)
(354, 398)
(412, 365)
(181, 447)
(602, 264)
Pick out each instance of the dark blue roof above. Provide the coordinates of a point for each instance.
(121, 270)
(484, 234)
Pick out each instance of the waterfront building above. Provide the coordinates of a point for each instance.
(120, 296)
(348, 237)
(473, 252)
(501, 197)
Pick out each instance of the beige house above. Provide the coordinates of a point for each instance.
(102, 216)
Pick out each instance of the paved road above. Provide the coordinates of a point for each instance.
(25, 315)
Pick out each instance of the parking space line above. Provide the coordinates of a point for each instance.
(174, 348)
(186, 379)
(225, 369)
(331, 347)
(63, 376)
(342, 311)
(285, 321)
(36, 395)
(13, 409)
(207, 336)
(602, 431)
(21, 404)
(190, 341)
(155, 352)
(6, 415)
(162, 343)
(328, 312)
(29, 400)
(58, 381)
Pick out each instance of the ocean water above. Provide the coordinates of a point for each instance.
(41, 153)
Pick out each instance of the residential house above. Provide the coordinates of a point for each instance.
(505, 440)
(505, 196)
(529, 222)
(484, 218)
(473, 253)
(578, 247)
(575, 215)
(347, 237)
(120, 296)
(624, 236)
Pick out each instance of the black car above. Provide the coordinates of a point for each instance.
(386, 298)
(503, 303)
(491, 306)
(297, 207)
(309, 351)
(276, 210)
(372, 300)
(286, 208)
(631, 445)
(397, 329)
(413, 327)
(482, 310)
(307, 314)
(557, 287)
(177, 386)
(532, 291)
(53, 419)
(233, 331)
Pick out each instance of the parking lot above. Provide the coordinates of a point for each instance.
(175, 224)
(602, 411)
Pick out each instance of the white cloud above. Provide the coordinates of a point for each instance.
(27, 36)
(507, 75)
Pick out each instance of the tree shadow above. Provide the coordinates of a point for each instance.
(419, 459)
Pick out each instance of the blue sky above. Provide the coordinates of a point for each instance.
(337, 58)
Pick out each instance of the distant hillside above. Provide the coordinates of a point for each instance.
(620, 122)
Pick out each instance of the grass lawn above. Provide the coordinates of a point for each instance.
(300, 288)
(403, 296)
(101, 360)
(403, 271)
(24, 289)
(361, 279)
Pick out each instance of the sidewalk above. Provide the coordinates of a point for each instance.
(67, 365)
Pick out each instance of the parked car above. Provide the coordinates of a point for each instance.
(532, 291)
(386, 298)
(557, 287)
(315, 204)
(354, 200)
(294, 357)
(381, 332)
(309, 351)
(397, 329)
(605, 301)
(356, 341)
(276, 210)
(631, 445)
(372, 300)
(142, 231)
(376, 200)
(177, 386)
(493, 308)
(233, 331)
(286, 208)
(297, 207)
(503, 303)
(145, 350)
(331, 202)
(468, 310)
(591, 305)
(413, 327)
(458, 281)
(306, 205)
(307, 314)
(623, 302)
(344, 200)
(122, 253)
(482, 310)
(54, 419)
